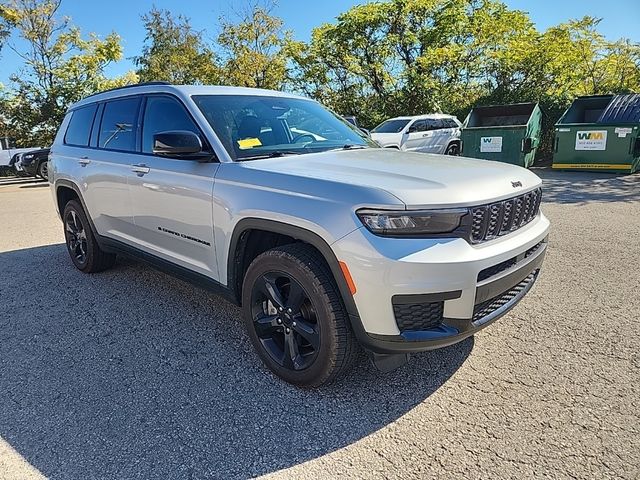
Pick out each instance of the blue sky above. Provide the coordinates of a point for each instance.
(619, 19)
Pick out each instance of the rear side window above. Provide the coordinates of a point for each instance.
(450, 123)
(163, 114)
(118, 127)
(79, 127)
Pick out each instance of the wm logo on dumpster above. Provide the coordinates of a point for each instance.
(592, 135)
(591, 140)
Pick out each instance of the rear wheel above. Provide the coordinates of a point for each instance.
(43, 170)
(295, 317)
(453, 149)
(82, 246)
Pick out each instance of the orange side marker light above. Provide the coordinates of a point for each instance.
(347, 277)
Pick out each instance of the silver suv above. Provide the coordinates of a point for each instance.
(433, 133)
(326, 241)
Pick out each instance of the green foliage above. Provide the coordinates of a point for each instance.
(174, 52)
(61, 67)
(402, 57)
(253, 50)
(377, 60)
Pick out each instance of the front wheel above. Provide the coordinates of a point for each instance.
(295, 318)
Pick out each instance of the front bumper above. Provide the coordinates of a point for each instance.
(469, 286)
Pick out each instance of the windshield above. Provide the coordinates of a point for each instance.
(390, 126)
(254, 126)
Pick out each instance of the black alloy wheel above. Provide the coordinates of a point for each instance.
(295, 316)
(285, 320)
(76, 237)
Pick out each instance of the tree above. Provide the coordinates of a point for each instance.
(60, 68)
(174, 52)
(400, 57)
(254, 49)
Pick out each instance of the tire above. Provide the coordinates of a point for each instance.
(43, 170)
(452, 149)
(82, 246)
(295, 317)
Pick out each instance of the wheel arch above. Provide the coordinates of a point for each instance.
(236, 264)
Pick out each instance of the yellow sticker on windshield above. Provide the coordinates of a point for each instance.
(249, 143)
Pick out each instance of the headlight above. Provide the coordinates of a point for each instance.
(411, 222)
(28, 157)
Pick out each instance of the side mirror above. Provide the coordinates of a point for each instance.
(176, 143)
(527, 145)
(412, 129)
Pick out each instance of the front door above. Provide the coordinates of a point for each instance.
(417, 137)
(172, 198)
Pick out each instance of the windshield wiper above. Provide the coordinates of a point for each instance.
(349, 146)
(277, 153)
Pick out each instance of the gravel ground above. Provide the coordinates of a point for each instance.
(133, 374)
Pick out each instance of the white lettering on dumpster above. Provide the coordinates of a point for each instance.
(591, 140)
(491, 144)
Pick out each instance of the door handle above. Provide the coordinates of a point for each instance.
(84, 161)
(139, 169)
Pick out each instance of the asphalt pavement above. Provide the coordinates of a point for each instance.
(131, 373)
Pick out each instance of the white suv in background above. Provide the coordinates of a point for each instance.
(324, 239)
(433, 133)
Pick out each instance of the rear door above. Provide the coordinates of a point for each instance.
(105, 166)
(173, 198)
(441, 135)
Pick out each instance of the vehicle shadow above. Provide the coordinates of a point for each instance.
(131, 373)
(10, 181)
(581, 187)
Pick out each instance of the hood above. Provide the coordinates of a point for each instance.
(419, 180)
(385, 139)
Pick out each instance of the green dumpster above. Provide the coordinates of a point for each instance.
(599, 132)
(506, 133)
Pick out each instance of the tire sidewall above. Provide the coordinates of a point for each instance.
(322, 366)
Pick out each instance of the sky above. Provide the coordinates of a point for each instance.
(620, 18)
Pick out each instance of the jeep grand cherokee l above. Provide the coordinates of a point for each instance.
(326, 241)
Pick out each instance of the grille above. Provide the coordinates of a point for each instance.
(483, 309)
(501, 267)
(496, 269)
(497, 219)
(418, 316)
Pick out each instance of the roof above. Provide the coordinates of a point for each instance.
(426, 115)
(180, 90)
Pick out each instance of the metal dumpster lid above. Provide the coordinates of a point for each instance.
(622, 109)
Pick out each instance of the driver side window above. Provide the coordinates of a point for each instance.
(418, 126)
(163, 114)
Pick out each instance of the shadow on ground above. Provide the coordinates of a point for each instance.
(582, 187)
(131, 373)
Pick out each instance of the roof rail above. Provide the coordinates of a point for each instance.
(143, 84)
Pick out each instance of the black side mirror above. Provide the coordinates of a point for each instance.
(177, 143)
(527, 145)
(412, 129)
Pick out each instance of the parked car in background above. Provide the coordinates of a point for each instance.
(34, 163)
(8, 152)
(433, 133)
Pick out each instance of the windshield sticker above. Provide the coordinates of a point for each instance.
(246, 143)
